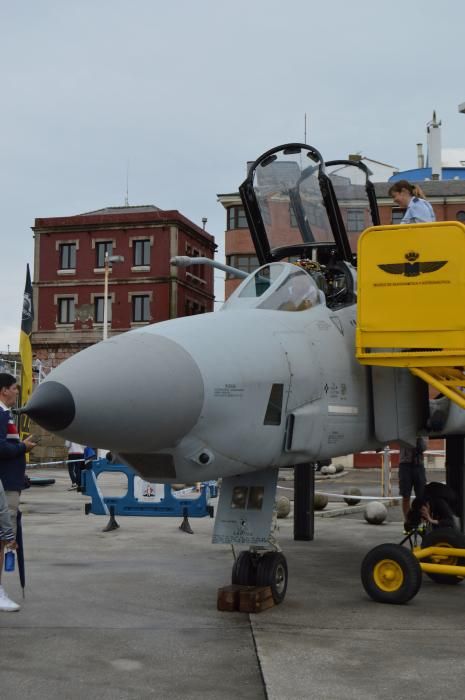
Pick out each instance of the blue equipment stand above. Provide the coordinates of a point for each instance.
(128, 504)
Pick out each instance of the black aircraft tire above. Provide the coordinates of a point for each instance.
(391, 574)
(244, 570)
(445, 537)
(272, 571)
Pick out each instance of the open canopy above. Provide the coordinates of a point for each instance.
(291, 202)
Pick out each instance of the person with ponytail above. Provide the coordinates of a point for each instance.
(412, 199)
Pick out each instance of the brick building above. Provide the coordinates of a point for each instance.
(446, 196)
(68, 282)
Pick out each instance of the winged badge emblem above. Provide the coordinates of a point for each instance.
(412, 267)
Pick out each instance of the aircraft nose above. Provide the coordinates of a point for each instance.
(51, 406)
(137, 392)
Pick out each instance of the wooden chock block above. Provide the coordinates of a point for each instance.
(228, 598)
(251, 599)
(254, 599)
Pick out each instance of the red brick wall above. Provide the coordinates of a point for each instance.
(444, 212)
(366, 460)
(88, 280)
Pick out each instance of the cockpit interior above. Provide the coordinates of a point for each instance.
(284, 286)
(304, 211)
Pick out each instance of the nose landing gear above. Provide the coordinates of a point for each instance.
(262, 568)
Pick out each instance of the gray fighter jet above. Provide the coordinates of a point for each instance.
(269, 381)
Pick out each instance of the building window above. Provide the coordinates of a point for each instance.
(236, 218)
(192, 308)
(67, 256)
(197, 271)
(141, 252)
(246, 263)
(98, 309)
(101, 250)
(355, 220)
(141, 308)
(397, 215)
(460, 216)
(66, 310)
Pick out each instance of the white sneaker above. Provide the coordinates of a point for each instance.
(7, 605)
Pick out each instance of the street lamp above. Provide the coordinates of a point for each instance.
(106, 268)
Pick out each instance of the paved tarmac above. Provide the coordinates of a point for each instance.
(131, 614)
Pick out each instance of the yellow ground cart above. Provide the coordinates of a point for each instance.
(411, 301)
(391, 573)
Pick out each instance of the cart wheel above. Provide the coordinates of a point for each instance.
(244, 570)
(272, 571)
(391, 574)
(444, 537)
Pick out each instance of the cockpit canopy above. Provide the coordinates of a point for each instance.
(296, 204)
(276, 287)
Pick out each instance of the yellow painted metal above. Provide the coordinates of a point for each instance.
(388, 575)
(438, 550)
(446, 569)
(412, 359)
(443, 560)
(411, 295)
(448, 380)
(411, 301)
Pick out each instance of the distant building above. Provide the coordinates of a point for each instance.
(380, 172)
(10, 362)
(441, 163)
(68, 282)
(239, 248)
(446, 194)
(447, 198)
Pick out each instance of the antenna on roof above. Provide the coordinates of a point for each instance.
(126, 201)
(305, 127)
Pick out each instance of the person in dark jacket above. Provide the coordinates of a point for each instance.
(12, 465)
(412, 473)
(89, 455)
(435, 508)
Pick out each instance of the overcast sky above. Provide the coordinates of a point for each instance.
(187, 91)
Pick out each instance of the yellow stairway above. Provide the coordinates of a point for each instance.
(411, 302)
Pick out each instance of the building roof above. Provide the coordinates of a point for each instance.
(431, 188)
(378, 162)
(137, 209)
(114, 217)
(453, 157)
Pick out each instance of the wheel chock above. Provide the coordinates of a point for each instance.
(250, 599)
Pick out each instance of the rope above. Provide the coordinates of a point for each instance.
(352, 496)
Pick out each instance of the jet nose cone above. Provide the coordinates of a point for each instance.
(51, 406)
(139, 391)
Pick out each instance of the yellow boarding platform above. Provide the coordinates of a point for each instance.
(411, 302)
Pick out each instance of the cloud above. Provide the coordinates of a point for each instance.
(188, 92)
(9, 339)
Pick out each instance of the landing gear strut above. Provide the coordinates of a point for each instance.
(256, 568)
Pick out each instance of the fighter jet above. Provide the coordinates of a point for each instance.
(269, 381)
